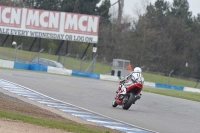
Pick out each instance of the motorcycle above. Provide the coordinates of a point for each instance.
(126, 100)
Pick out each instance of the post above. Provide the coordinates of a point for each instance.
(91, 63)
(32, 43)
(5, 40)
(57, 51)
(15, 44)
(85, 51)
(67, 45)
(17, 52)
(39, 44)
(39, 54)
(198, 80)
(12, 38)
(94, 50)
(65, 59)
(170, 76)
(81, 63)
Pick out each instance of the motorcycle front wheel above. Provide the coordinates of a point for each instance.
(128, 104)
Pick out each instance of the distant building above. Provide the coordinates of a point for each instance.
(121, 67)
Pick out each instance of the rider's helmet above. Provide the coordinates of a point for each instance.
(137, 69)
(137, 75)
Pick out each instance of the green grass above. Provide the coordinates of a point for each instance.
(173, 81)
(173, 93)
(67, 126)
(74, 64)
(70, 63)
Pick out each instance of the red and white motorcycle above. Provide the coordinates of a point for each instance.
(126, 100)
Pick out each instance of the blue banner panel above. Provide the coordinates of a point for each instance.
(180, 88)
(19, 65)
(38, 67)
(85, 74)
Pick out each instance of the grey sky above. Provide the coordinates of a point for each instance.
(130, 4)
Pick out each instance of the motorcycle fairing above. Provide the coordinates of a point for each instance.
(136, 88)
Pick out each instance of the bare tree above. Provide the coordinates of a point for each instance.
(76, 5)
(120, 11)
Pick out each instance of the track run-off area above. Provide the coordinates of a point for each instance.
(153, 112)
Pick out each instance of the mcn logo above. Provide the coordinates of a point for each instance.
(43, 20)
(10, 16)
(77, 23)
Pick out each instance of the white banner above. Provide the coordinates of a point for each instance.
(49, 24)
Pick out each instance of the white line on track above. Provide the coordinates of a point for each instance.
(72, 109)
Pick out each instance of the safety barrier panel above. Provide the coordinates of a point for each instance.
(169, 87)
(6, 64)
(84, 74)
(62, 71)
(149, 84)
(38, 67)
(109, 77)
(34, 67)
(18, 65)
(191, 89)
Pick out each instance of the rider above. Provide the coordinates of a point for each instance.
(133, 77)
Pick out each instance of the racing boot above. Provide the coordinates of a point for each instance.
(137, 97)
(123, 88)
(121, 92)
(119, 88)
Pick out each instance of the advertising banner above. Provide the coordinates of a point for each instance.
(49, 24)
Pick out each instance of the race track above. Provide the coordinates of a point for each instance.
(155, 112)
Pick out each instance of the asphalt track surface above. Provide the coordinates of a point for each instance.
(154, 112)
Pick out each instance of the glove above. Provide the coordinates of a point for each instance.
(121, 82)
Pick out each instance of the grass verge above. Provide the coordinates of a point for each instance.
(101, 68)
(173, 93)
(66, 126)
(173, 81)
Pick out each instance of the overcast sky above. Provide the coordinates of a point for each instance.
(130, 4)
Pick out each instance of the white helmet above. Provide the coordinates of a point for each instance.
(137, 69)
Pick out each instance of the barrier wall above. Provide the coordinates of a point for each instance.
(6, 64)
(59, 71)
(34, 67)
(84, 74)
(169, 87)
(38, 67)
(109, 77)
(191, 89)
(18, 65)
(149, 84)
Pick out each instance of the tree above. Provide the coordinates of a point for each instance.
(157, 13)
(180, 9)
(103, 10)
(53, 5)
(68, 5)
(17, 3)
(88, 6)
(75, 6)
(6, 3)
(80, 6)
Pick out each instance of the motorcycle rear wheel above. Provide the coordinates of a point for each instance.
(128, 104)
